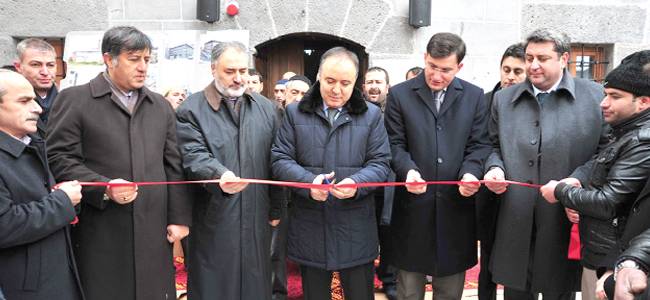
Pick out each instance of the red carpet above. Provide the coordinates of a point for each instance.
(295, 284)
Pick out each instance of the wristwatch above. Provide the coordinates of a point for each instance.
(628, 263)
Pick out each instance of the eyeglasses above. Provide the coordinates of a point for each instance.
(442, 71)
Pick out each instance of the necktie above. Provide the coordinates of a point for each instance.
(129, 104)
(331, 113)
(541, 97)
(437, 99)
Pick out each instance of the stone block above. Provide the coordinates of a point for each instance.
(502, 11)
(482, 71)
(149, 10)
(254, 15)
(116, 9)
(188, 8)
(187, 25)
(593, 24)
(365, 17)
(324, 17)
(488, 39)
(142, 25)
(289, 16)
(7, 50)
(396, 37)
(51, 18)
(424, 34)
(400, 7)
(621, 50)
(473, 10)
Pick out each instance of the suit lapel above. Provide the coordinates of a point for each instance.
(451, 95)
(423, 90)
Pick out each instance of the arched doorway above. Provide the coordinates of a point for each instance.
(300, 53)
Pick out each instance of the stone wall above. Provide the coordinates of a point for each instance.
(381, 26)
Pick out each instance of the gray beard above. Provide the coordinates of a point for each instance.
(226, 92)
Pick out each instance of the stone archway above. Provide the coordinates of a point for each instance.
(300, 53)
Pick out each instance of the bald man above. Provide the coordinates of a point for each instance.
(36, 260)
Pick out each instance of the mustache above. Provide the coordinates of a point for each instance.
(32, 117)
(374, 91)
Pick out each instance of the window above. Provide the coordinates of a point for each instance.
(588, 62)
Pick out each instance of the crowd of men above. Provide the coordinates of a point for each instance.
(587, 143)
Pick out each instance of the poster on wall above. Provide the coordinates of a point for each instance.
(178, 57)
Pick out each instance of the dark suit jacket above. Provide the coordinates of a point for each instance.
(435, 233)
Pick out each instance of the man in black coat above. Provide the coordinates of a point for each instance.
(333, 132)
(437, 126)
(512, 71)
(36, 260)
(619, 171)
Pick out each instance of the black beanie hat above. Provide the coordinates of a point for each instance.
(629, 75)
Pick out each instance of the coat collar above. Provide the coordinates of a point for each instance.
(420, 87)
(567, 83)
(631, 123)
(15, 147)
(313, 102)
(99, 87)
(214, 97)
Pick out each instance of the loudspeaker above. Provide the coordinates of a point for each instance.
(207, 10)
(419, 13)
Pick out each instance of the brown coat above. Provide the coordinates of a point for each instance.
(122, 250)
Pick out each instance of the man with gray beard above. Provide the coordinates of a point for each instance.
(226, 132)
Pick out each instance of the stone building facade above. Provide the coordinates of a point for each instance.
(380, 27)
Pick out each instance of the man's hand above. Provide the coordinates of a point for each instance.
(469, 185)
(600, 285)
(572, 181)
(414, 176)
(231, 187)
(344, 193)
(73, 190)
(572, 215)
(274, 222)
(548, 191)
(320, 195)
(496, 174)
(122, 194)
(177, 232)
(629, 282)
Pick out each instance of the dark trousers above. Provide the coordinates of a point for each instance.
(386, 273)
(513, 294)
(357, 282)
(487, 209)
(279, 235)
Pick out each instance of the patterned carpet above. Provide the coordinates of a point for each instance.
(295, 284)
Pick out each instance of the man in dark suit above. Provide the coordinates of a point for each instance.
(36, 260)
(437, 126)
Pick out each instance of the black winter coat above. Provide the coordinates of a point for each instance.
(229, 254)
(36, 260)
(435, 232)
(334, 234)
(617, 176)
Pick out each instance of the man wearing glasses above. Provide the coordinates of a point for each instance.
(437, 127)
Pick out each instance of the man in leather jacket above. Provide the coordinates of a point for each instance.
(618, 173)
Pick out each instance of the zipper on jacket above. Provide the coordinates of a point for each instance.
(615, 222)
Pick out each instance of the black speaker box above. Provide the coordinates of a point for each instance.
(207, 10)
(420, 13)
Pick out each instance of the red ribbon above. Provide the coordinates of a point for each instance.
(299, 184)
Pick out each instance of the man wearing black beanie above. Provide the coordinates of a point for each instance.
(618, 173)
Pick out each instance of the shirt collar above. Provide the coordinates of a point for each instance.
(536, 91)
(325, 107)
